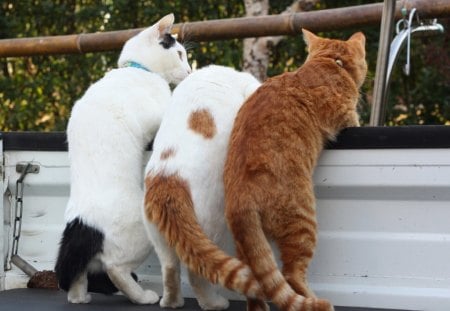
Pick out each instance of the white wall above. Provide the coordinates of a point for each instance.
(384, 226)
(2, 226)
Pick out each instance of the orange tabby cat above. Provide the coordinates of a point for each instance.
(277, 137)
(274, 146)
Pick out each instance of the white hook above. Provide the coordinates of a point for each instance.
(407, 67)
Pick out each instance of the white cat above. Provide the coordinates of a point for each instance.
(191, 145)
(108, 131)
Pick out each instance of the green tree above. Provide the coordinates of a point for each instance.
(37, 93)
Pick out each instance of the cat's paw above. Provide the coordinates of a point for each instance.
(86, 298)
(169, 302)
(149, 297)
(214, 303)
(317, 304)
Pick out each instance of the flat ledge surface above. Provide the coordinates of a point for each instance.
(380, 137)
(24, 299)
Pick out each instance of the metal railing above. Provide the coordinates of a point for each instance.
(289, 24)
(388, 52)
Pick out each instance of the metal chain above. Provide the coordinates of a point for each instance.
(19, 209)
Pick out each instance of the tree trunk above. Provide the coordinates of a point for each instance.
(257, 50)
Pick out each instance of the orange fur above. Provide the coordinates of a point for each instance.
(202, 122)
(168, 204)
(167, 153)
(277, 138)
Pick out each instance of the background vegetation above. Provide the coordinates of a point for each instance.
(37, 93)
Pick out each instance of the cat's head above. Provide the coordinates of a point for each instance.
(155, 49)
(350, 54)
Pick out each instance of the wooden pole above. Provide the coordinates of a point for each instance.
(271, 25)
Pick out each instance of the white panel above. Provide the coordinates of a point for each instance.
(3, 232)
(384, 222)
(384, 228)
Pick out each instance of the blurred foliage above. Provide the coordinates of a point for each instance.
(37, 93)
(423, 97)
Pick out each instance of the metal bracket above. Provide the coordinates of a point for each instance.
(30, 168)
(23, 168)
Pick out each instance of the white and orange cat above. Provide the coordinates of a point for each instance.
(191, 144)
(278, 135)
(108, 132)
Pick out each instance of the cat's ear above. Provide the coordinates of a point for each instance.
(309, 37)
(165, 24)
(358, 38)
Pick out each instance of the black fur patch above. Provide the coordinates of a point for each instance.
(168, 41)
(99, 282)
(79, 244)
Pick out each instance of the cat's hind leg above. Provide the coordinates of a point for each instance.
(127, 285)
(170, 269)
(78, 290)
(252, 304)
(206, 293)
(296, 242)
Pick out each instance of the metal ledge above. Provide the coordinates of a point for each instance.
(399, 137)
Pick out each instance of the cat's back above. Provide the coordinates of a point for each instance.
(206, 99)
(296, 98)
(199, 118)
(123, 107)
(124, 86)
(270, 106)
(290, 116)
(213, 87)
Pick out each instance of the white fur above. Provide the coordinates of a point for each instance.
(108, 131)
(198, 160)
(145, 49)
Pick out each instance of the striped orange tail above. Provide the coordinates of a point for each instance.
(168, 204)
(257, 252)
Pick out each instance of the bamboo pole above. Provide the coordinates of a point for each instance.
(271, 25)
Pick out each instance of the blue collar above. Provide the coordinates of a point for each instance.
(135, 65)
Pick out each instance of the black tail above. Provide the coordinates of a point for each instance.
(99, 282)
(80, 243)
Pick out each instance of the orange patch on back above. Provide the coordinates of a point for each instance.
(202, 122)
(167, 153)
